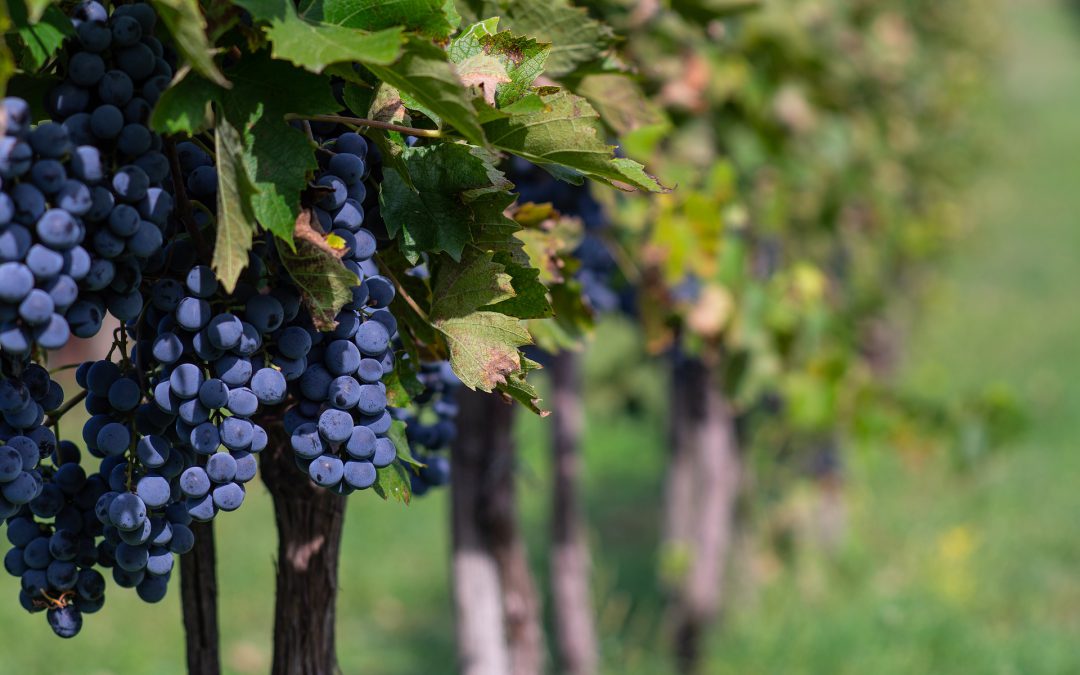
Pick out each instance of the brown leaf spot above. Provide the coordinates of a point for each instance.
(304, 230)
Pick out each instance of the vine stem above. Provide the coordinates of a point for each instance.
(62, 410)
(183, 202)
(365, 122)
(401, 289)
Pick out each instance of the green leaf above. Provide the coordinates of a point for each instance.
(619, 101)
(518, 387)
(185, 22)
(450, 190)
(186, 107)
(314, 45)
(393, 483)
(424, 73)
(483, 345)
(522, 57)
(40, 38)
(324, 283)
(460, 289)
(575, 37)
(401, 444)
(35, 9)
(567, 133)
(278, 157)
(402, 383)
(530, 299)
(235, 218)
(427, 17)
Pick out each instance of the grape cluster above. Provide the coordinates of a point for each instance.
(116, 71)
(598, 271)
(177, 406)
(340, 424)
(84, 210)
(54, 534)
(431, 426)
(46, 190)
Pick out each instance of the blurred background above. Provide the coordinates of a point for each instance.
(942, 538)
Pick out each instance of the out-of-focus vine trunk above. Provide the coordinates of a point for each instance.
(575, 632)
(309, 523)
(702, 492)
(496, 606)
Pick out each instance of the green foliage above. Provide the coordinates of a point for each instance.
(425, 74)
(314, 44)
(430, 18)
(563, 132)
(38, 38)
(521, 58)
(235, 216)
(187, 25)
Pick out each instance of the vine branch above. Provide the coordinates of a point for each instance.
(365, 122)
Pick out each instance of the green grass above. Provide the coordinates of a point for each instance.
(941, 572)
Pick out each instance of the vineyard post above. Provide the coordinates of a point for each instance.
(575, 632)
(495, 600)
(704, 482)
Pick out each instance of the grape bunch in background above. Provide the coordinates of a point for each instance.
(598, 272)
(431, 425)
(179, 407)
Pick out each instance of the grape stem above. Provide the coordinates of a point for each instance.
(365, 122)
(55, 416)
(183, 202)
(401, 289)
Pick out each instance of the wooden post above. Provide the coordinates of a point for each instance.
(495, 600)
(575, 632)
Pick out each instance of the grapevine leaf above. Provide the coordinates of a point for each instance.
(256, 105)
(450, 190)
(35, 9)
(392, 482)
(494, 231)
(236, 220)
(522, 58)
(186, 107)
(566, 133)
(619, 101)
(485, 73)
(401, 444)
(518, 387)
(465, 287)
(427, 17)
(385, 105)
(484, 347)
(314, 45)
(424, 74)
(324, 283)
(402, 384)
(40, 38)
(530, 296)
(185, 22)
(575, 37)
